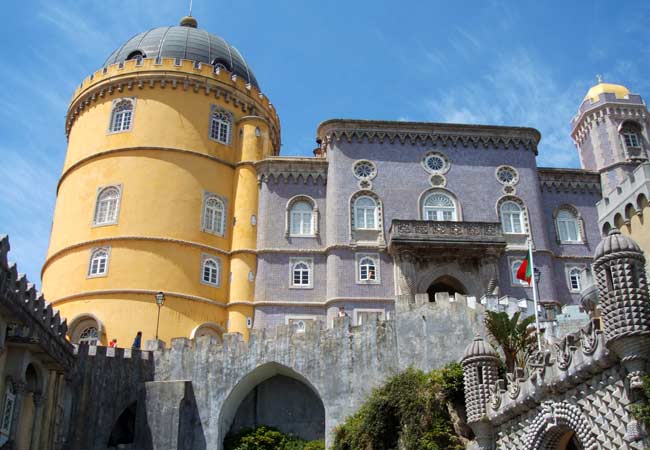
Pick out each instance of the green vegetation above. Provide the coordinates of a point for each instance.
(642, 410)
(267, 438)
(515, 338)
(410, 412)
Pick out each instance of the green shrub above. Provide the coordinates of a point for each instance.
(642, 410)
(409, 412)
(267, 438)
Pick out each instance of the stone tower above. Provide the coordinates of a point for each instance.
(610, 131)
(480, 371)
(159, 191)
(624, 302)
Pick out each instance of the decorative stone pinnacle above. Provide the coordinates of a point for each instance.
(599, 77)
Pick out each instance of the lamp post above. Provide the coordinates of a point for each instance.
(160, 299)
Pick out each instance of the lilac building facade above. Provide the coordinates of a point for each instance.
(399, 212)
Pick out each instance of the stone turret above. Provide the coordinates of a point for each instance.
(480, 370)
(624, 302)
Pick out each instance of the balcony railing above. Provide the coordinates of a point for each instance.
(446, 233)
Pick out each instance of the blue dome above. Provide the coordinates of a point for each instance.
(185, 42)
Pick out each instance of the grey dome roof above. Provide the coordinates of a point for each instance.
(616, 242)
(479, 348)
(186, 42)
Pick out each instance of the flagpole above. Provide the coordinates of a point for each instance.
(532, 271)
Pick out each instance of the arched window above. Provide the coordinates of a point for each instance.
(211, 271)
(439, 207)
(365, 214)
(301, 218)
(122, 115)
(89, 336)
(98, 265)
(514, 267)
(511, 217)
(367, 269)
(568, 226)
(220, 126)
(107, 205)
(574, 279)
(301, 273)
(137, 55)
(630, 137)
(214, 215)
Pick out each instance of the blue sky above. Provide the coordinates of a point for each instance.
(523, 63)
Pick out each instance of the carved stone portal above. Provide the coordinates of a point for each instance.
(460, 257)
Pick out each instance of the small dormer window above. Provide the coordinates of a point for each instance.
(630, 137)
(137, 55)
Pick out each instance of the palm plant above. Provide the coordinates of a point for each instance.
(516, 338)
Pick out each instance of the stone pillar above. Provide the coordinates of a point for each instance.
(406, 278)
(39, 400)
(20, 389)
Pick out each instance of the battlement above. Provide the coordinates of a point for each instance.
(111, 352)
(33, 320)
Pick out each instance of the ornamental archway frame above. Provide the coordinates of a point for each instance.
(552, 423)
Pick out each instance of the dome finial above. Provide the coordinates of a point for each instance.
(189, 21)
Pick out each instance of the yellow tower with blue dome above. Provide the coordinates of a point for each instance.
(159, 191)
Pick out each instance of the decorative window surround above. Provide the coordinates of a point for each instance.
(210, 270)
(366, 236)
(315, 229)
(363, 258)
(301, 273)
(573, 280)
(221, 124)
(364, 170)
(513, 264)
(122, 115)
(507, 175)
(436, 163)
(439, 205)
(107, 205)
(360, 315)
(562, 214)
(213, 214)
(98, 262)
(523, 215)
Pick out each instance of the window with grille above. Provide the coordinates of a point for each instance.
(439, 207)
(89, 336)
(302, 219)
(98, 265)
(220, 126)
(121, 116)
(511, 217)
(574, 279)
(568, 226)
(106, 208)
(214, 216)
(365, 214)
(210, 273)
(301, 273)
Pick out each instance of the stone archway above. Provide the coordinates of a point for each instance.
(277, 396)
(560, 426)
(445, 283)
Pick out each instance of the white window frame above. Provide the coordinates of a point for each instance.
(304, 219)
(114, 114)
(229, 122)
(570, 268)
(514, 281)
(375, 213)
(118, 202)
(288, 219)
(445, 160)
(357, 311)
(630, 133)
(208, 196)
(299, 317)
(576, 224)
(204, 260)
(309, 262)
(93, 252)
(523, 216)
(439, 210)
(359, 257)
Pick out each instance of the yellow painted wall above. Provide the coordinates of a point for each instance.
(639, 229)
(164, 165)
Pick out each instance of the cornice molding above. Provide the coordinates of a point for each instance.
(292, 170)
(569, 180)
(162, 78)
(586, 120)
(327, 302)
(424, 133)
(150, 292)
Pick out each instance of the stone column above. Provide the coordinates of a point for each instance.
(20, 389)
(406, 277)
(39, 400)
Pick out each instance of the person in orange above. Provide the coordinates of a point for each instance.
(113, 343)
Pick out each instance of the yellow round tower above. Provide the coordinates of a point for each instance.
(159, 191)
